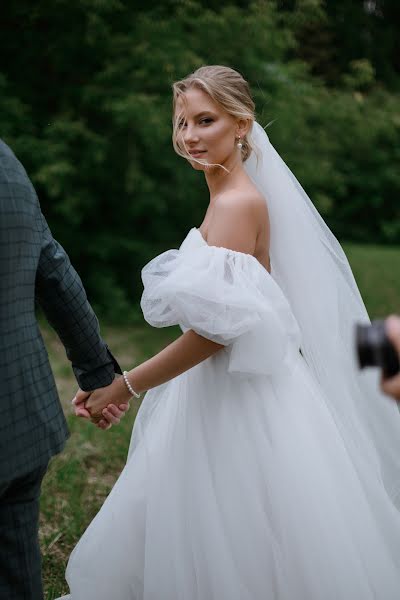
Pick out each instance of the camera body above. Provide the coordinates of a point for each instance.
(374, 348)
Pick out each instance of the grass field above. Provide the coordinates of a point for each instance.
(81, 477)
(377, 272)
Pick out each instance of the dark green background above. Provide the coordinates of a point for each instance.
(85, 102)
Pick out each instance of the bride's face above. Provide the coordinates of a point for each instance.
(206, 131)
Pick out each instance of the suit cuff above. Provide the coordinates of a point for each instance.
(100, 376)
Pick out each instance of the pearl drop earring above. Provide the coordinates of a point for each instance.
(239, 144)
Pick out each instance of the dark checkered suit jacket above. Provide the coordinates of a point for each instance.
(33, 265)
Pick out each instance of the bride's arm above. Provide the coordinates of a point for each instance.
(189, 349)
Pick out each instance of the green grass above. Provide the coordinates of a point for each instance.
(80, 478)
(377, 272)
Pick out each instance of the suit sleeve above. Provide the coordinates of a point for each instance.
(60, 293)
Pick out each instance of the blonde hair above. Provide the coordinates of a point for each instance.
(227, 88)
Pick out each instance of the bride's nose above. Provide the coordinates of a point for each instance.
(190, 134)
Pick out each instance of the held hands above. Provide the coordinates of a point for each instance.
(391, 386)
(105, 406)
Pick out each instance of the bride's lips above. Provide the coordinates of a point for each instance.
(197, 153)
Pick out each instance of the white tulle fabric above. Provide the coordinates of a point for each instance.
(240, 484)
(225, 297)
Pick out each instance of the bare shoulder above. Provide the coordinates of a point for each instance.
(246, 203)
(248, 198)
(238, 217)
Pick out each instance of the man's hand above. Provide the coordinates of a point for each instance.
(391, 386)
(116, 393)
(108, 416)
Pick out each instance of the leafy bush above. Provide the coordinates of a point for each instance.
(85, 101)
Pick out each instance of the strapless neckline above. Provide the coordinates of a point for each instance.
(201, 237)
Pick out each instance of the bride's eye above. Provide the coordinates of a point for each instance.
(206, 121)
(181, 124)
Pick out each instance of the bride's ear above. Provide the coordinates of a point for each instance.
(242, 127)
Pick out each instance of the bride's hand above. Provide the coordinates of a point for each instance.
(104, 416)
(111, 415)
(116, 393)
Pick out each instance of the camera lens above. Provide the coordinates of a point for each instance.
(374, 348)
(364, 349)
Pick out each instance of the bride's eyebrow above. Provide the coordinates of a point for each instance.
(203, 113)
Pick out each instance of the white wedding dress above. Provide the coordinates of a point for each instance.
(240, 484)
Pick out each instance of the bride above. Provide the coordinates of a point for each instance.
(262, 465)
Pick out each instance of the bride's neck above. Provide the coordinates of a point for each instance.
(218, 180)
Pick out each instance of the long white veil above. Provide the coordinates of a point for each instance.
(312, 270)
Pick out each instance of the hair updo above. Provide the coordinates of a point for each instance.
(227, 88)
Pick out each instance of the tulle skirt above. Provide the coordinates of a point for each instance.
(240, 488)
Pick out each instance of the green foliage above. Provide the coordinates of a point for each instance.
(343, 148)
(85, 102)
(333, 35)
(361, 76)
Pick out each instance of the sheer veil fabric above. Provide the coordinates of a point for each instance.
(312, 270)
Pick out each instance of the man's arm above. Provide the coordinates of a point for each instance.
(60, 293)
(187, 351)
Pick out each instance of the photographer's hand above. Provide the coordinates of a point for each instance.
(391, 386)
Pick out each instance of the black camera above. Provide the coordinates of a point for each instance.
(374, 349)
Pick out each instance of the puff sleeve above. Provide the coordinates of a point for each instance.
(223, 295)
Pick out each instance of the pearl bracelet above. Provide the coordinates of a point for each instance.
(128, 385)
